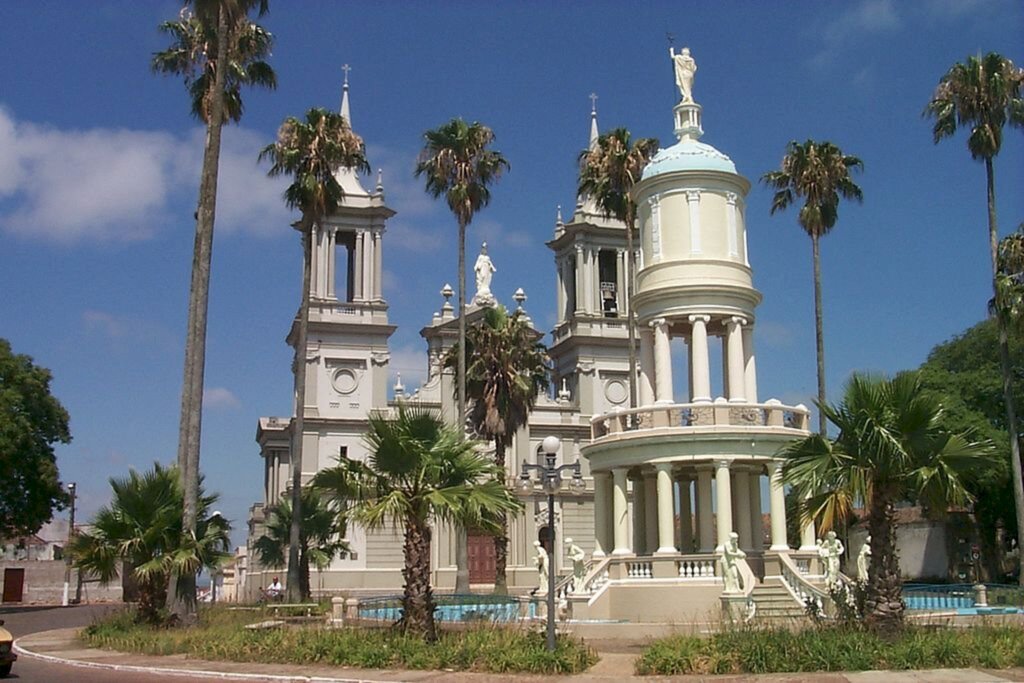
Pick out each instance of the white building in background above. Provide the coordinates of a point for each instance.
(667, 483)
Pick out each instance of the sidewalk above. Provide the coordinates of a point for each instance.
(62, 647)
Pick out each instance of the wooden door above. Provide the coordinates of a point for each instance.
(14, 585)
(481, 558)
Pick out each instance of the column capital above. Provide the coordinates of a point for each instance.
(719, 464)
(663, 467)
(737, 320)
(699, 318)
(657, 322)
(620, 252)
(730, 198)
(579, 250)
(773, 466)
(693, 195)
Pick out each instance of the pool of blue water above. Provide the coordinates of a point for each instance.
(495, 612)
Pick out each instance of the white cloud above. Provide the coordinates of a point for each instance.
(121, 329)
(859, 19)
(219, 398)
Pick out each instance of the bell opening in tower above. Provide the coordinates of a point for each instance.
(345, 274)
(607, 265)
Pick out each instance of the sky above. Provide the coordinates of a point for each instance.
(100, 158)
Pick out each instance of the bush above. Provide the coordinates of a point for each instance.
(221, 636)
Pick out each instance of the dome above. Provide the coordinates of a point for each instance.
(688, 155)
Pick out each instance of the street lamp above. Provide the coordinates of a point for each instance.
(550, 476)
(67, 548)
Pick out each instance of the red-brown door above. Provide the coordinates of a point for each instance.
(14, 585)
(481, 558)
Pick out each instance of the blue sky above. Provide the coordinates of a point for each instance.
(99, 164)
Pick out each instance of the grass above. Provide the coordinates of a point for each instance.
(833, 649)
(221, 636)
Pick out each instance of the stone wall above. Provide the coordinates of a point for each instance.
(44, 583)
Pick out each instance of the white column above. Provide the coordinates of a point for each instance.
(646, 366)
(602, 486)
(357, 266)
(756, 521)
(723, 504)
(807, 539)
(731, 222)
(595, 278)
(693, 202)
(620, 282)
(662, 361)
(749, 367)
(620, 505)
(743, 509)
(685, 517)
(666, 510)
(378, 266)
(777, 506)
(332, 258)
(650, 513)
(705, 515)
(638, 518)
(581, 301)
(560, 289)
(734, 347)
(699, 359)
(368, 266)
(314, 271)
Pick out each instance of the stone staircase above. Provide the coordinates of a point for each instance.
(774, 602)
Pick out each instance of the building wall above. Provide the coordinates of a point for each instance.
(44, 583)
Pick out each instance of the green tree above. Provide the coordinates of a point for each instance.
(818, 173)
(420, 472)
(457, 163)
(32, 420)
(507, 369)
(320, 541)
(983, 94)
(311, 152)
(607, 173)
(219, 32)
(893, 445)
(141, 529)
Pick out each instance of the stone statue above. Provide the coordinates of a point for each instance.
(542, 562)
(686, 68)
(484, 270)
(579, 567)
(864, 560)
(731, 554)
(830, 550)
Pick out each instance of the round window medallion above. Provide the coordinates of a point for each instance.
(345, 381)
(615, 391)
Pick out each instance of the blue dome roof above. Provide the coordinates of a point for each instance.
(688, 155)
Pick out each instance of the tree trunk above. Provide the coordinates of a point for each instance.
(182, 592)
(152, 598)
(1004, 359)
(631, 317)
(294, 587)
(304, 575)
(418, 599)
(461, 542)
(819, 334)
(884, 603)
(501, 539)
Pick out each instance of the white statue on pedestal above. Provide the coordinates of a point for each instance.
(484, 270)
(579, 567)
(864, 560)
(830, 550)
(543, 566)
(731, 554)
(686, 68)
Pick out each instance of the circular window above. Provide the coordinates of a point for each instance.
(345, 381)
(615, 391)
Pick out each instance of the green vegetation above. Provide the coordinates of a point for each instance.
(833, 649)
(221, 636)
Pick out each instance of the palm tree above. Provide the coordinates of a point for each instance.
(818, 173)
(984, 94)
(311, 152)
(891, 447)
(320, 541)
(141, 529)
(507, 370)
(608, 171)
(420, 471)
(219, 33)
(457, 163)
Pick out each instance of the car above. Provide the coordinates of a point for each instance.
(7, 656)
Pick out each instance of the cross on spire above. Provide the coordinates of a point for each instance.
(593, 103)
(346, 68)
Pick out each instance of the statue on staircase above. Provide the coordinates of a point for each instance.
(543, 566)
(830, 550)
(579, 567)
(731, 555)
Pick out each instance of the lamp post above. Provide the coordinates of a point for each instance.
(550, 476)
(67, 554)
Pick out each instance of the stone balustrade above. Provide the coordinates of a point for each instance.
(692, 416)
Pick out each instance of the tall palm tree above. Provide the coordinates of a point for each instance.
(141, 529)
(818, 173)
(607, 173)
(457, 162)
(420, 471)
(320, 541)
(984, 94)
(507, 369)
(311, 152)
(891, 447)
(219, 32)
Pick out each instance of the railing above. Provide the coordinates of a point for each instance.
(802, 590)
(697, 566)
(641, 569)
(692, 415)
(596, 577)
(452, 608)
(991, 596)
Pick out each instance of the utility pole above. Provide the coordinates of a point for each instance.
(67, 554)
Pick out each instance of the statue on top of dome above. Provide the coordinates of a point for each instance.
(686, 68)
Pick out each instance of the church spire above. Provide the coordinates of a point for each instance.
(593, 121)
(348, 178)
(344, 96)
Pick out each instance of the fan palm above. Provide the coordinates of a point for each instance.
(607, 173)
(507, 369)
(141, 529)
(984, 94)
(311, 152)
(320, 541)
(219, 32)
(457, 163)
(818, 173)
(420, 471)
(891, 447)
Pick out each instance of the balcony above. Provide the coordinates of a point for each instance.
(719, 416)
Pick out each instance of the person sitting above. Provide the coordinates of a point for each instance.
(275, 590)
